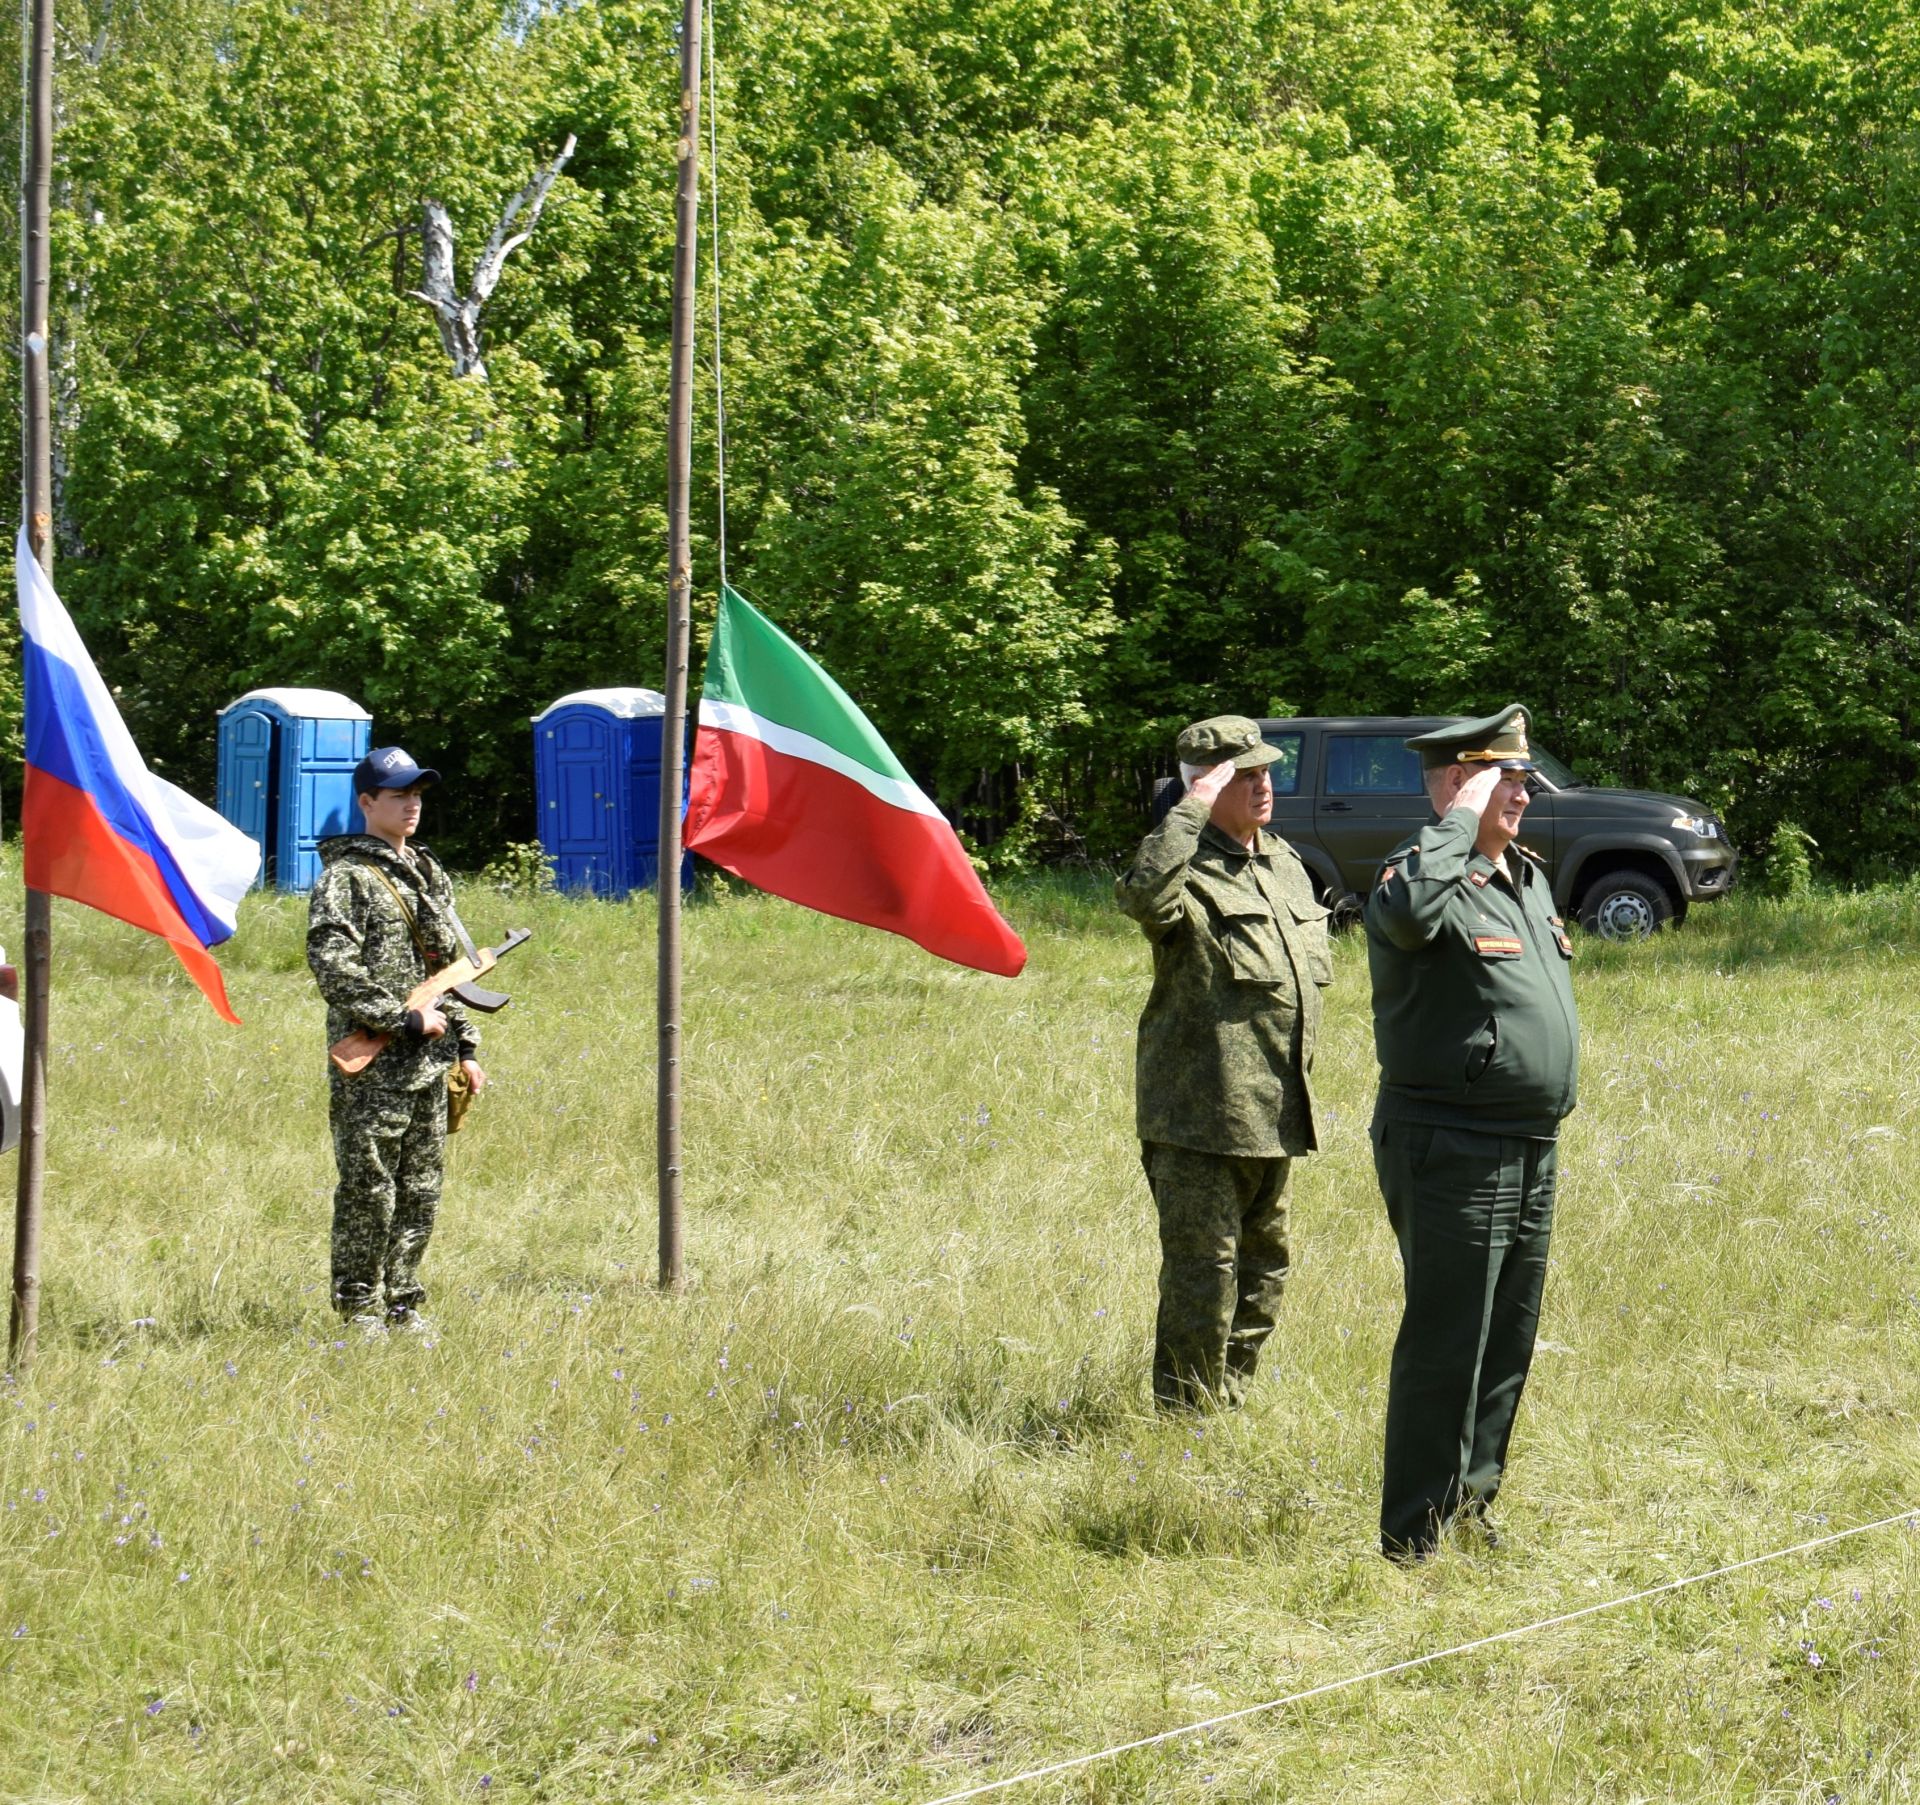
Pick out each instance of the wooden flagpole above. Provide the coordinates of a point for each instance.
(679, 631)
(36, 479)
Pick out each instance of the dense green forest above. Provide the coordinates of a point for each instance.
(1090, 364)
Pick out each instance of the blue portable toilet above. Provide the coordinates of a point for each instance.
(286, 775)
(596, 780)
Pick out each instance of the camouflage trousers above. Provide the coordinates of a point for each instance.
(390, 1146)
(1223, 1265)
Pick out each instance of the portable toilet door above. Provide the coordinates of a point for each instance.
(286, 775)
(646, 736)
(247, 777)
(596, 765)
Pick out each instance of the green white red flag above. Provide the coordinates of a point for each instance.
(792, 789)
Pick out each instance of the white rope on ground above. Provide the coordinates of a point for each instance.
(719, 387)
(1909, 1517)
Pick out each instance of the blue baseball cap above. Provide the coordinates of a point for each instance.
(389, 768)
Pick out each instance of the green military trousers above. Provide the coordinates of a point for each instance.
(1223, 1265)
(390, 1147)
(1473, 1214)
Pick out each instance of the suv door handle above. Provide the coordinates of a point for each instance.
(1337, 808)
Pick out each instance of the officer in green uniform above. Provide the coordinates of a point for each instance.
(379, 921)
(1478, 1043)
(1222, 1095)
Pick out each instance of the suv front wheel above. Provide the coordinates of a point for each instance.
(1345, 912)
(1626, 905)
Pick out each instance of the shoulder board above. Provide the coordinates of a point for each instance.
(1528, 852)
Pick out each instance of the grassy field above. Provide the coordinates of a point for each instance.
(877, 1510)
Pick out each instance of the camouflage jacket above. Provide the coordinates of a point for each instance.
(364, 958)
(1240, 955)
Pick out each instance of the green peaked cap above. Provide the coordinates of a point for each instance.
(1495, 739)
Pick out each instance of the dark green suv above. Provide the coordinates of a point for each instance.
(1625, 862)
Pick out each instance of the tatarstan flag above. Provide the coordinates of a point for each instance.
(793, 790)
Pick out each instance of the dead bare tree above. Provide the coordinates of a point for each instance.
(458, 314)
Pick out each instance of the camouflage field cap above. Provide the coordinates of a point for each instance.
(1496, 739)
(1225, 736)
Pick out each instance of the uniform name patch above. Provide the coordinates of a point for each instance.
(1497, 946)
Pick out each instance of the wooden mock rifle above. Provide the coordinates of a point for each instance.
(354, 1052)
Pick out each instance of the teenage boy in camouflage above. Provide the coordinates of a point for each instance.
(379, 922)
(1223, 1101)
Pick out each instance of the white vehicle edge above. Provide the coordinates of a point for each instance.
(12, 1055)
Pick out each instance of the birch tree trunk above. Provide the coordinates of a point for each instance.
(458, 314)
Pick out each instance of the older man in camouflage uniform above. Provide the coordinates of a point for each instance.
(380, 921)
(1223, 1099)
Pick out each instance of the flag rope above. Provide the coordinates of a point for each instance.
(1909, 1517)
(719, 385)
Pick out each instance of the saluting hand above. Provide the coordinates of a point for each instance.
(1477, 791)
(1208, 785)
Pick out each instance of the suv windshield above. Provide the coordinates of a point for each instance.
(1559, 775)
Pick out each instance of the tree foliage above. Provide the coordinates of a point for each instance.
(1090, 365)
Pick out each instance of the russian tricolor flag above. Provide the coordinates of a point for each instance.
(98, 826)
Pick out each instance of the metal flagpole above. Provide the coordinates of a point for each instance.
(36, 480)
(679, 631)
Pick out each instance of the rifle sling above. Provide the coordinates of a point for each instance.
(406, 914)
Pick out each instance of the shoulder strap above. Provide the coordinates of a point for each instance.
(406, 914)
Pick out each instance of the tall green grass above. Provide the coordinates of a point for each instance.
(878, 1510)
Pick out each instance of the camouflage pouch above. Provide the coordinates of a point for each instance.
(459, 1097)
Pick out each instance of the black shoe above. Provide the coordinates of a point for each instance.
(1409, 1554)
(1477, 1521)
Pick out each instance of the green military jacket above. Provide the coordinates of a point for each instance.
(365, 960)
(1240, 953)
(1473, 1015)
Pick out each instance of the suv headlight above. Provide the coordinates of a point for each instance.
(1704, 825)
